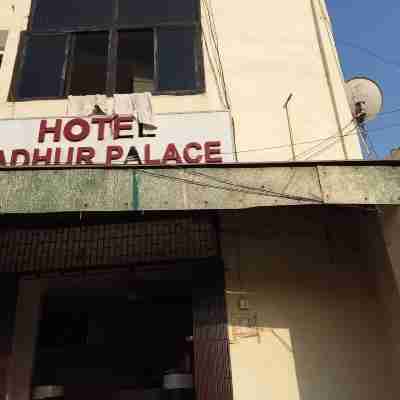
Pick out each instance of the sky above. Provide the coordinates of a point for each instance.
(375, 27)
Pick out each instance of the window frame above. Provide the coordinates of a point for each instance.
(113, 29)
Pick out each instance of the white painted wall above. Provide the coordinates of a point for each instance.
(269, 50)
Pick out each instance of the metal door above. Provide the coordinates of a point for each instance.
(212, 368)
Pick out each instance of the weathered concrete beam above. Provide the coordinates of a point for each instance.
(192, 188)
(40, 191)
(363, 184)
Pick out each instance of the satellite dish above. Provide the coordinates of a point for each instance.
(365, 98)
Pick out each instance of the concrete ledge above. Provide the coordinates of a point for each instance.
(195, 188)
(44, 191)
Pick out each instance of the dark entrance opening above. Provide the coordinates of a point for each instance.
(115, 340)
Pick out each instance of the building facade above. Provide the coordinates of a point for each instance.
(249, 70)
(199, 259)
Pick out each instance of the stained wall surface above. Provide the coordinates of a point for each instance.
(322, 325)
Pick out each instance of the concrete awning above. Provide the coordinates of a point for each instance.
(228, 186)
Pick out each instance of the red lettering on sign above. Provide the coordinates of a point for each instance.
(17, 153)
(171, 154)
(81, 124)
(2, 158)
(57, 155)
(85, 155)
(212, 149)
(113, 153)
(187, 155)
(56, 130)
(102, 124)
(70, 155)
(147, 156)
(38, 158)
(122, 124)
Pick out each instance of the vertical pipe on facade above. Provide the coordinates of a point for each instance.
(328, 77)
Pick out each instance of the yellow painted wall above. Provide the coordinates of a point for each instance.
(322, 324)
(269, 50)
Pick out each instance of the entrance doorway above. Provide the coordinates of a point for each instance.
(119, 338)
(154, 333)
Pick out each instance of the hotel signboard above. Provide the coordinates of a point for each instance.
(187, 138)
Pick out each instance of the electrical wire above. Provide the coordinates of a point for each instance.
(209, 14)
(315, 150)
(383, 128)
(371, 131)
(231, 188)
(213, 43)
(331, 40)
(321, 140)
(369, 143)
(317, 140)
(339, 135)
(282, 146)
(394, 111)
(245, 187)
(330, 145)
(370, 52)
(319, 151)
(214, 37)
(216, 77)
(211, 54)
(221, 82)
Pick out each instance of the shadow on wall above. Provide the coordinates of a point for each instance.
(314, 328)
(8, 293)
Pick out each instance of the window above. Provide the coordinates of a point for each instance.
(156, 11)
(43, 66)
(135, 70)
(177, 64)
(89, 63)
(3, 40)
(53, 15)
(110, 46)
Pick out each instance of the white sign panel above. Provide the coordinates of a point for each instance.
(187, 138)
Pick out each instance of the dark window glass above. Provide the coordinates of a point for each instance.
(135, 61)
(177, 63)
(42, 70)
(89, 64)
(156, 11)
(1, 59)
(56, 14)
(157, 48)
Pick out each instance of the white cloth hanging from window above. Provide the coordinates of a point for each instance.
(144, 109)
(137, 104)
(123, 105)
(84, 106)
(106, 104)
(81, 106)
